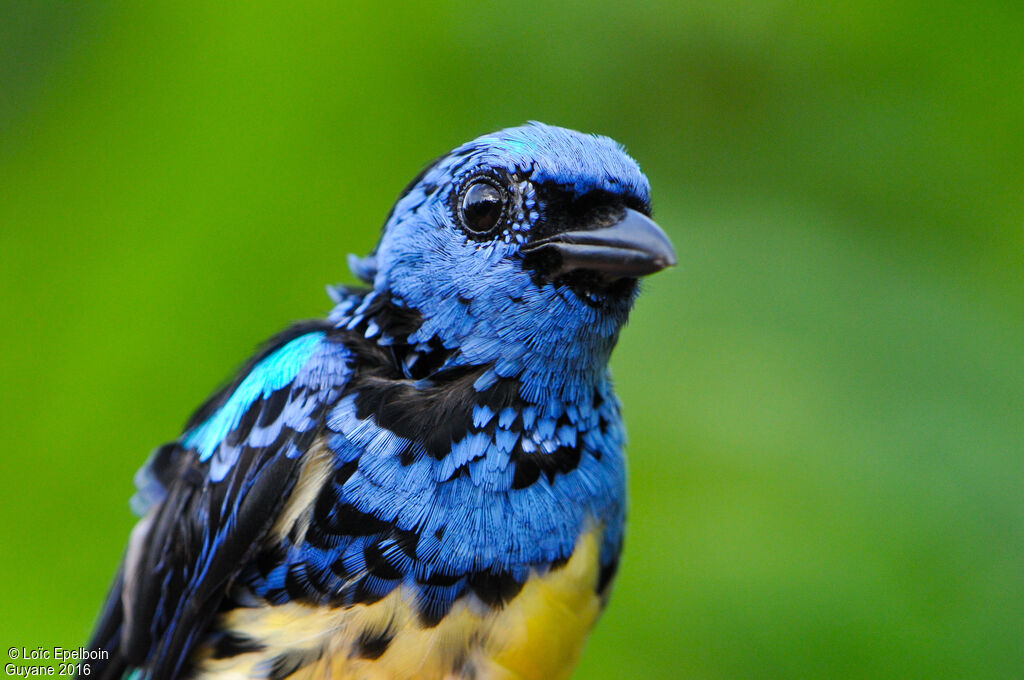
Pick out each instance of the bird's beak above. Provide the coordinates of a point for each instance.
(633, 246)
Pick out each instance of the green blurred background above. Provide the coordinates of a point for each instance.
(825, 399)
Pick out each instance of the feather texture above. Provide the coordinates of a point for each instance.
(432, 477)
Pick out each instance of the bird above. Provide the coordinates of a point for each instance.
(430, 481)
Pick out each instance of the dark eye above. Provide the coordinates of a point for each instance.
(482, 206)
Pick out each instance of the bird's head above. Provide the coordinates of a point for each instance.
(529, 236)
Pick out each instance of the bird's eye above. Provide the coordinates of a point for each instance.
(482, 206)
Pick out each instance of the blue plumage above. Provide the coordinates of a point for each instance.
(456, 419)
(275, 372)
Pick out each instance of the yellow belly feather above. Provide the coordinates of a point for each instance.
(538, 634)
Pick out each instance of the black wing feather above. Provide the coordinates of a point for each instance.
(195, 539)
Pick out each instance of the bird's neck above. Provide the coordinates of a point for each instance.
(556, 349)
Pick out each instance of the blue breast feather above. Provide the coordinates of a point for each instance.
(462, 509)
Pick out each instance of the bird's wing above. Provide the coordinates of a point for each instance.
(210, 497)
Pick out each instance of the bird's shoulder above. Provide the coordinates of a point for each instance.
(208, 498)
